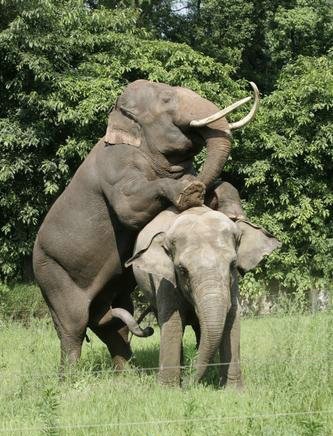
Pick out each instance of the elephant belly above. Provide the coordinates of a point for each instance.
(85, 242)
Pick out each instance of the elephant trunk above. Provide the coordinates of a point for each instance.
(211, 309)
(218, 150)
(216, 132)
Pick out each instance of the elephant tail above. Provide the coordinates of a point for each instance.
(133, 326)
(128, 319)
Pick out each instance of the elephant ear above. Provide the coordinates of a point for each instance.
(154, 261)
(254, 243)
(122, 129)
(149, 255)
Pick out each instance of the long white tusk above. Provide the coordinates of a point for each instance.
(232, 107)
(219, 114)
(249, 117)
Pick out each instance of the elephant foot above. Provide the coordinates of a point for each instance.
(237, 385)
(172, 381)
(120, 363)
(191, 196)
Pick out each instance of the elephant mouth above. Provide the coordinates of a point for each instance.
(182, 166)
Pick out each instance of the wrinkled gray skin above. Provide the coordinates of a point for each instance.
(139, 168)
(226, 199)
(187, 265)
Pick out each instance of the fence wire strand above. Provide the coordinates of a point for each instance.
(191, 366)
(170, 421)
(42, 313)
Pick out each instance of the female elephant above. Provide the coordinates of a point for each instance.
(187, 264)
(140, 167)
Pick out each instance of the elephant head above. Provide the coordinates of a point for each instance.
(199, 251)
(172, 124)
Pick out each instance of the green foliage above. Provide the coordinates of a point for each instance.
(21, 302)
(220, 29)
(283, 30)
(306, 29)
(256, 37)
(48, 407)
(64, 64)
(285, 158)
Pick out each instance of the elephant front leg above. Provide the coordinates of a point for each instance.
(117, 343)
(231, 374)
(191, 194)
(137, 200)
(183, 193)
(172, 326)
(170, 349)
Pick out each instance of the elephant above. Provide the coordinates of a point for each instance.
(187, 263)
(140, 167)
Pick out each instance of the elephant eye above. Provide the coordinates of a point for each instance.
(182, 269)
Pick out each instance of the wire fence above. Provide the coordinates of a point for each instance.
(192, 366)
(157, 422)
(323, 362)
(41, 309)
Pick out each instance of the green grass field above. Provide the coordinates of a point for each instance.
(288, 371)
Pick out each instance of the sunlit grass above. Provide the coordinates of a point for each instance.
(287, 364)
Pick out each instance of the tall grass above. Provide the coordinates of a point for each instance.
(21, 301)
(287, 364)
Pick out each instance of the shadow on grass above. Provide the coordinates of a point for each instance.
(98, 360)
(147, 358)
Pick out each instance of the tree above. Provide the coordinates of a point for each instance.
(294, 28)
(257, 37)
(220, 29)
(286, 161)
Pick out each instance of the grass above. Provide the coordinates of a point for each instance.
(21, 301)
(287, 364)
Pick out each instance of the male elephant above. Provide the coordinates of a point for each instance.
(139, 168)
(186, 264)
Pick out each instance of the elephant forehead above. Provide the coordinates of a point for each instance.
(142, 90)
(217, 218)
(143, 83)
(136, 94)
(209, 225)
(204, 218)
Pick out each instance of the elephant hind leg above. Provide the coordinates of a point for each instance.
(114, 333)
(117, 343)
(70, 345)
(68, 305)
